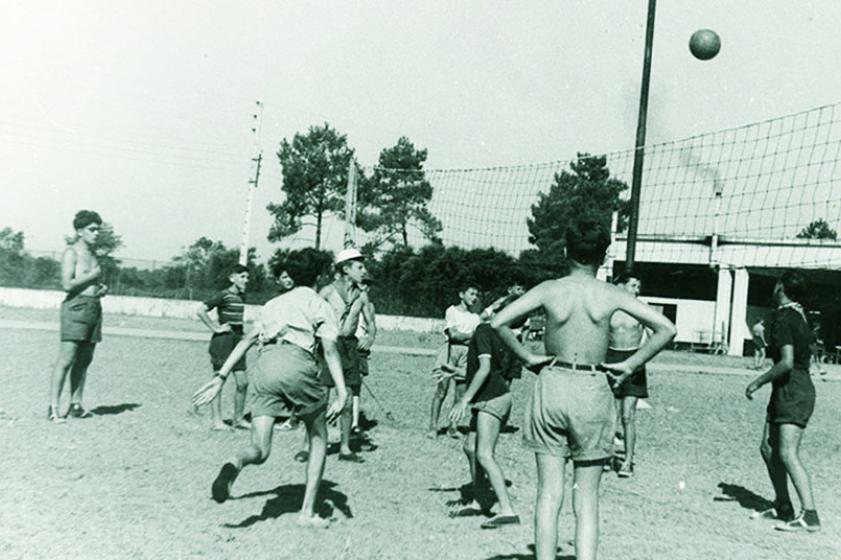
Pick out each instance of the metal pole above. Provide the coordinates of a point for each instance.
(639, 151)
(350, 207)
(252, 186)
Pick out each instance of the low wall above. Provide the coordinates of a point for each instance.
(181, 309)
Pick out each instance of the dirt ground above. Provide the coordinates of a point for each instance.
(134, 482)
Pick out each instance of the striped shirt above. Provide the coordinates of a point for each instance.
(229, 306)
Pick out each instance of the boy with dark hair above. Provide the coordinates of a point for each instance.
(571, 411)
(491, 366)
(81, 316)
(227, 332)
(286, 379)
(790, 406)
(626, 336)
(460, 324)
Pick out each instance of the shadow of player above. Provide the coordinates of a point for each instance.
(108, 410)
(746, 498)
(288, 499)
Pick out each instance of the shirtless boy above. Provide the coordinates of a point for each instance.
(81, 316)
(571, 412)
(626, 336)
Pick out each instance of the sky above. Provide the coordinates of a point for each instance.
(144, 110)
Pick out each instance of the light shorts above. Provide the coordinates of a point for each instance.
(570, 414)
(456, 356)
(498, 407)
(285, 382)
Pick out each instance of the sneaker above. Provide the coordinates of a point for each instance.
(799, 525)
(77, 411)
(772, 513)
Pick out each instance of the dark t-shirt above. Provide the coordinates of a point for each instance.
(789, 327)
(504, 363)
(230, 307)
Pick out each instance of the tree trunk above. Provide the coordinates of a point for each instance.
(405, 234)
(318, 230)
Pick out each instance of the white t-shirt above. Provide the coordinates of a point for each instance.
(460, 320)
(298, 316)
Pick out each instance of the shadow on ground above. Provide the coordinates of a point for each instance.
(746, 498)
(110, 409)
(288, 499)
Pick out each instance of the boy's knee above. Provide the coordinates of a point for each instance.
(484, 456)
(260, 454)
(469, 446)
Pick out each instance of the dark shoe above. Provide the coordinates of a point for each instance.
(221, 489)
(799, 525)
(54, 417)
(351, 457)
(76, 411)
(501, 521)
(302, 456)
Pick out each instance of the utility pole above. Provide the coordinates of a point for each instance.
(252, 184)
(639, 151)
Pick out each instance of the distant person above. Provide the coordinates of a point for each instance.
(759, 344)
(571, 411)
(459, 324)
(227, 332)
(626, 337)
(287, 380)
(491, 366)
(366, 333)
(790, 406)
(81, 316)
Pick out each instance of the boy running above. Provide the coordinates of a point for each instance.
(286, 378)
(571, 412)
(460, 323)
(626, 336)
(227, 332)
(491, 366)
(81, 316)
(790, 406)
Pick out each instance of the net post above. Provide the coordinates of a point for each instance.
(350, 207)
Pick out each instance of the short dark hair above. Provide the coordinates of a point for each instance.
(466, 285)
(794, 285)
(587, 240)
(239, 269)
(84, 218)
(303, 266)
(625, 277)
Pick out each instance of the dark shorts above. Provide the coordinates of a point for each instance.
(363, 362)
(758, 345)
(636, 385)
(349, 355)
(81, 319)
(285, 382)
(570, 414)
(221, 345)
(498, 407)
(792, 402)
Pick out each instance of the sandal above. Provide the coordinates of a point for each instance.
(54, 417)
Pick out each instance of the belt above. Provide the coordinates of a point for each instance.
(590, 368)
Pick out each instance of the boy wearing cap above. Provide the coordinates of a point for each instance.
(348, 301)
(286, 379)
(571, 413)
(227, 332)
(81, 316)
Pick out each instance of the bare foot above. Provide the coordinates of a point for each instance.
(242, 424)
(220, 427)
(313, 521)
(432, 434)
